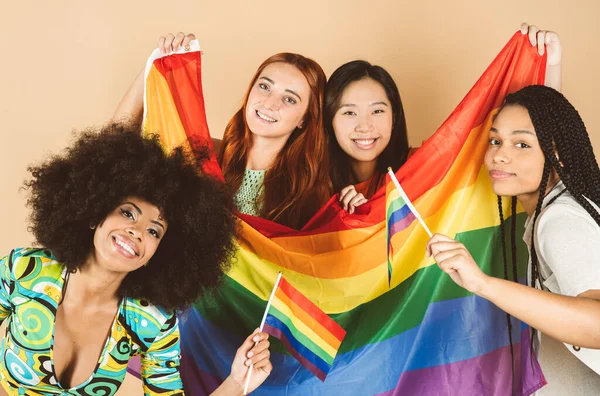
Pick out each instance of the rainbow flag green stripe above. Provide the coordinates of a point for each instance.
(379, 317)
(413, 336)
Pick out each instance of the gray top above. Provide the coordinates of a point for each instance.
(567, 242)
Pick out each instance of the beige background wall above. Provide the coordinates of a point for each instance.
(65, 64)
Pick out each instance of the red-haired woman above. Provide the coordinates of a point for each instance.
(273, 151)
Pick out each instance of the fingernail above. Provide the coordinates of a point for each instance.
(249, 362)
(250, 354)
(256, 339)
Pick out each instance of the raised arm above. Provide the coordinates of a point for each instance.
(131, 106)
(549, 41)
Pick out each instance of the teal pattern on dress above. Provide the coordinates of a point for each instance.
(30, 290)
(248, 198)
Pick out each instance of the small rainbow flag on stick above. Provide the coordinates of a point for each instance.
(311, 336)
(400, 213)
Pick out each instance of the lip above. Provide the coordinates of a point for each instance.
(268, 122)
(123, 251)
(497, 174)
(360, 143)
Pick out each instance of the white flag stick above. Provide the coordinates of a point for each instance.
(410, 205)
(262, 324)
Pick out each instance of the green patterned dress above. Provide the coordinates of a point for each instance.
(249, 196)
(30, 290)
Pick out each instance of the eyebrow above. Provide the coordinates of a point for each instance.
(286, 90)
(515, 132)
(157, 223)
(140, 212)
(370, 104)
(135, 206)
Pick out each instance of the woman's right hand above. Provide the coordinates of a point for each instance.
(171, 43)
(350, 199)
(454, 259)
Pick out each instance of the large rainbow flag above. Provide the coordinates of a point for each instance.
(422, 335)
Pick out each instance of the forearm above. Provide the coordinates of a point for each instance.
(132, 104)
(553, 77)
(228, 388)
(574, 320)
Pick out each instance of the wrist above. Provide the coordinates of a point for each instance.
(232, 387)
(486, 288)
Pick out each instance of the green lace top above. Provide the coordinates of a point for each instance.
(247, 198)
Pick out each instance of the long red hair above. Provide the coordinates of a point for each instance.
(297, 184)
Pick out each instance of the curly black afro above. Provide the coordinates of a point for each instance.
(79, 188)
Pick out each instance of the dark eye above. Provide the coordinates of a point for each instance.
(349, 113)
(290, 100)
(154, 233)
(522, 145)
(263, 86)
(494, 142)
(128, 214)
(378, 111)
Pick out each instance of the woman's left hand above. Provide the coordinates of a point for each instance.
(454, 259)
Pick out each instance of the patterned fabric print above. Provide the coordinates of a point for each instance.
(30, 290)
(247, 198)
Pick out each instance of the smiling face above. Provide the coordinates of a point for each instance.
(277, 101)
(514, 158)
(363, 122)
(129, 236)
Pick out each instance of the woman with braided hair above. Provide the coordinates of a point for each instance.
(540, 154)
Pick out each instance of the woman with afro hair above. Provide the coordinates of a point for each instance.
(540, 154)
(127, 235)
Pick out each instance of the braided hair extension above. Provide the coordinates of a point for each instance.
(513, 238)
(504, 260)
(535, 270)
(567, 150)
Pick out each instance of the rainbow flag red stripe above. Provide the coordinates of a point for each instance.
(418, 334)
(307, 332)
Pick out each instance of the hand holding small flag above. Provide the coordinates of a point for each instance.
(400, 213)
(254, 352)
(454, 259)
(307, 332)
